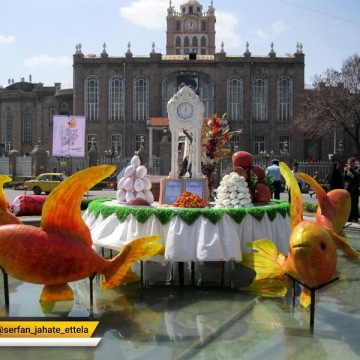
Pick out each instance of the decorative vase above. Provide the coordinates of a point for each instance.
(210, 170)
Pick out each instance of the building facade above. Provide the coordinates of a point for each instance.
(124, 98)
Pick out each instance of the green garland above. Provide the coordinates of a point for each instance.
(189, 216)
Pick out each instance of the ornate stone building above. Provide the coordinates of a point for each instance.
(124, 98)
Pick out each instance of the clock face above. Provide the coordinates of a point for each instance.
(190, 25)
(185, 111)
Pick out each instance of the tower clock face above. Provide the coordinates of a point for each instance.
(190, 25)
(185, 111)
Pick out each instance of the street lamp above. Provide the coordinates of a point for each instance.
(164, 138)
(111, 154)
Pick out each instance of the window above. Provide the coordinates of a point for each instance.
(195, 42)
(284, 143)
(92, 140)
(186, 41)
(116, 142)
(8, 131)
(141, 98)
(203, 52)
(178, 41)
(203, 26)
(203, 41)
(191, 9)
(64, 109)
(259, 92)
(51, 114)
(92, 98)
(27, 128)
(177, 51)
(284, 98)
(235, 143)
(116, 99)
(259, 144)
(186, 51)
(140, 140)
(177, 26)
(234, 98)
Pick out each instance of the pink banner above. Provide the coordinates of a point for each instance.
(69, 136)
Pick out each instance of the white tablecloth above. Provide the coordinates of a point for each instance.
(202, 241)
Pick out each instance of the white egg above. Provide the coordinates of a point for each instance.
(120, 195)
(121, 183)
(138, 185)
(129, 171)
(129, 183)
(140, 195)
(147, 183)
(135, 161)
(149, 197)
(129, 196)
(140, 171)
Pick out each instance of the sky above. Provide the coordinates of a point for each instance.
(38, 37)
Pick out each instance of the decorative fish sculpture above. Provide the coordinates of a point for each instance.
(6, 217)
(312, 256)
(60, 250)
(332, 213)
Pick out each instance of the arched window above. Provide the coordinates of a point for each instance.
(27, 128)
(92, 98)
(64, 109)
(203, 41)
(141, 98)
(186, 41)
(195, 42)
(116, 98)
(178, 41)
(234, 98)
(284, 98)
(8, 131)
(260, 98)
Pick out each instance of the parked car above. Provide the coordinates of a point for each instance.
(45, 182)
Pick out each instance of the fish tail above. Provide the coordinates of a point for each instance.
(268, 263)
(305, 298)
(342, 244)
(3, 180)
(119, 269)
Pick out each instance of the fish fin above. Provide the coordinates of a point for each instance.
(59, 292)
(342, 244)
(319, 191)
(296, 209)
(3, 180)
(119, 271)
(267, 262)
(61, 211)
(305, 298)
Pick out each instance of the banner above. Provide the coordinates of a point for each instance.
(69, 136)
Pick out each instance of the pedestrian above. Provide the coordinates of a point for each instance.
(335, 179)
(294, 171)
(351, 178)
(274, 170)
(316, 178)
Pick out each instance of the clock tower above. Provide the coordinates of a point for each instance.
(190, 31)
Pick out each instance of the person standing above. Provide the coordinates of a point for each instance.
(335, 178)
(274, 170)
(351, 177)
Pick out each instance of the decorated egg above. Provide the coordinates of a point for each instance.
(120, 195)
(140, 171)
(138, 185)
(129, 196)
(129, 171)
(135, 161)
(140, 195)
(121, 183)
(129, 184)
(147, 183)
(149, 197)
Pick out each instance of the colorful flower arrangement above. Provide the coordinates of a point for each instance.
(214, 137)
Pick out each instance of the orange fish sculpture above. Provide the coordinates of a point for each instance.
(60, 250)
(312, 256)
(6, 217)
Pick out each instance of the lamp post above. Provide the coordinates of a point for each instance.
(111, 154)
(265, 156)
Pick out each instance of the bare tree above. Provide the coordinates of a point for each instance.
(332, 104)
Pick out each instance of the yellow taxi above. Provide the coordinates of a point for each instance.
(45, 182)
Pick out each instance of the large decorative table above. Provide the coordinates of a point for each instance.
(189, 235)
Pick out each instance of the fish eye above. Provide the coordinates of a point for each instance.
(323, 245)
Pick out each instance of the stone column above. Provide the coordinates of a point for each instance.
(13, 154)
(39, 159)
(165, 157)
